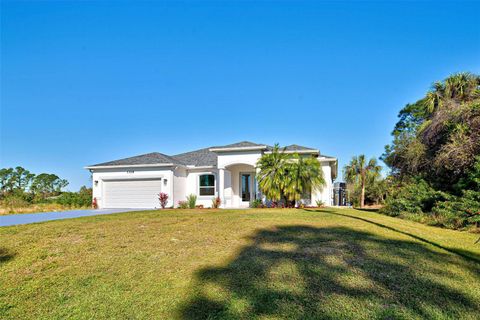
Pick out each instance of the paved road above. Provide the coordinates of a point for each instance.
(14, 219)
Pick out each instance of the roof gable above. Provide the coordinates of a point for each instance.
(199, 158)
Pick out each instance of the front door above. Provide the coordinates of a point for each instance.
(247, 188)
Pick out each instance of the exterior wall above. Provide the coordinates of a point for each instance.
(100, 175)
(192, 186)
(226, 159)
(326, 193)
(179, 185)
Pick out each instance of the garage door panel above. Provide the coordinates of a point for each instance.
(132, 193)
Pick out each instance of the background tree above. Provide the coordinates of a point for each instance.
(45, 185)
(435, 156)
(21, 179)
(358, 171)
(438, 137)
(6, 181)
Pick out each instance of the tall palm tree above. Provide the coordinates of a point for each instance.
(358, 170)
(304, 174)
(272, 172)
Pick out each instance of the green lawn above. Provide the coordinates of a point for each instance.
(238, 264)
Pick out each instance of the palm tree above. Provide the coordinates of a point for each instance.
(272, 172)
(463, 86)
(304, 174)
(359, 170)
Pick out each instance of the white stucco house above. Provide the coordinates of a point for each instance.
(224, 171)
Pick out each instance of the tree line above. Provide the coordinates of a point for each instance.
(20, 180)
(434, 158)
(20, 187)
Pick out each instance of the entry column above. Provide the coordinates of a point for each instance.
(221, 187)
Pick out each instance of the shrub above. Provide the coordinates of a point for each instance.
(191, 200)
(14, 201)
(459, 212)
(257, 203)
(182, 204)
(319, 203)
(419, 202)
(416, 197)
(216, 203)
(163, 198)
(82, 198)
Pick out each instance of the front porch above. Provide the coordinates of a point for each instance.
(238, 185)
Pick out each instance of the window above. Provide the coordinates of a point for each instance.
(207, 185)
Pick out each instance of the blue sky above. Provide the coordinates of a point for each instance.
(87, 82)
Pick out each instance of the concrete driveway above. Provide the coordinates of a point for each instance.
(14, 219)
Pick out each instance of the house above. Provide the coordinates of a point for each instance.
(224, 171)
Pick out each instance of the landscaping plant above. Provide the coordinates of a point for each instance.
(163, 198)
(287, 177)
(216, 203)
(182, 204)
(192, 200)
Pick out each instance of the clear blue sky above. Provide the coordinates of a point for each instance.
(87, 82)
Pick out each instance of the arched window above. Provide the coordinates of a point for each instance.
(207, 185)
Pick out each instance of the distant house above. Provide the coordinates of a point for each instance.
(224, 171)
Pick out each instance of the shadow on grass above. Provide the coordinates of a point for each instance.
(5, 255)
(463, 253)
(302, 272)
(367, 209)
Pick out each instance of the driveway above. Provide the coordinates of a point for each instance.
(14, 219)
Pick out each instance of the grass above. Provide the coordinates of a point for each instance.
(37, 208)
(238, 264)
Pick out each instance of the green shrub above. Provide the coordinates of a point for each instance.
(419, 202)
(319, 203)
(83, 198)
(257, 203)
(416, 197)
(460, 211)
(192, 200)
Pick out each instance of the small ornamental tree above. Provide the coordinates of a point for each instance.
(163, 198)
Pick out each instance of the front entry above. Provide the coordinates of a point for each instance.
(248, 188)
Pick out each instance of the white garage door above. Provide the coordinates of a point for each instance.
(132, 193)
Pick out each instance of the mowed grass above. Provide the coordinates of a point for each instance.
(238, 264)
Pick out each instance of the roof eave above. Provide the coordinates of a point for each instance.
(327, 158)
(310, 151)
(251, 148)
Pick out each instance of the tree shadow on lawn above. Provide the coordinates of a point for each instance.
(469, 255)
(302, 272)
(5, 255)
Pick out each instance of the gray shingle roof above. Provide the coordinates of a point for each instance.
(201, 157)
(296, 147)
(148, 158)
(241, 144)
